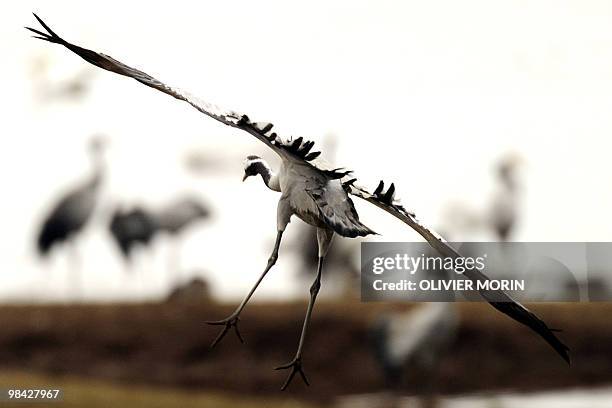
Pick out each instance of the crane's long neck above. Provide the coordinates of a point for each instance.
(98, 168)
(269, 177)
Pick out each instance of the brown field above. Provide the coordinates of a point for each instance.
(167, 345)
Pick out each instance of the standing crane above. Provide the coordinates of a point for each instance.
(68, 217)
(504, 206)
(132, 228)
(318, 196)
(139, 226)
(173, 219)
(72, 88)
(176, 216)
(418, 336)
(501, 213)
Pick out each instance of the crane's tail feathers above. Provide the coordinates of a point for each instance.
(345, 220)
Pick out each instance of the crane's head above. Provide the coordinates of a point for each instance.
(508, 168)
(97, 144)
(254, 165)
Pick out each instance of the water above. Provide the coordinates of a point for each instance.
(572, 398)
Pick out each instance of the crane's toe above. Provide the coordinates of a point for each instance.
(228, 323)
(296, 367)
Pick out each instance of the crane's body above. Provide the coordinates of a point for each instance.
(504, 206)
(131, 228)
(341, 264)
(72, 212)
(318, 196)
(139, 225)
(315, 197)
(178, 215)
(68, 216)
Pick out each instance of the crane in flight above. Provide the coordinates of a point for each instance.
(318, 195)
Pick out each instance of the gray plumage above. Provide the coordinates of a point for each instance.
(132, 228)
(68, 217)
(178, 215)
(139, 225)
(310, 193)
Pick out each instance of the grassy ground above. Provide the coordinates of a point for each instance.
(80, 393)
(167, 345)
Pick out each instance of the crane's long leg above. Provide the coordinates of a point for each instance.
(75, 270)
(324, 239)
(296, 363)
(232, 320)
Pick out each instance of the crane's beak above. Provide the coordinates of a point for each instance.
(245, 176)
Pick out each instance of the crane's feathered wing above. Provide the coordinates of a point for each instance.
(335, 206)
(500, 300)
(300, 150)
(292, 149)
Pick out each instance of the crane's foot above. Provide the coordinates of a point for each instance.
(229, 322)
(296, 367)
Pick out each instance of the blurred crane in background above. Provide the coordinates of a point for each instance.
(175, 218)
(69, 88)
(500, 213)
(199, 162)
(417, 337)
(503, 212)
(69, 216)
(132, 228)
(138, 226)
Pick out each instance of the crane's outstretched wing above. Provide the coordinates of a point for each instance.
(497, 298)
(298, 149)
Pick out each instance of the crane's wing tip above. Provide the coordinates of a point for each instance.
(50, 35)
(565, 354)
(39, 19)
(35, 31)
(566, 357)
(561, 348)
